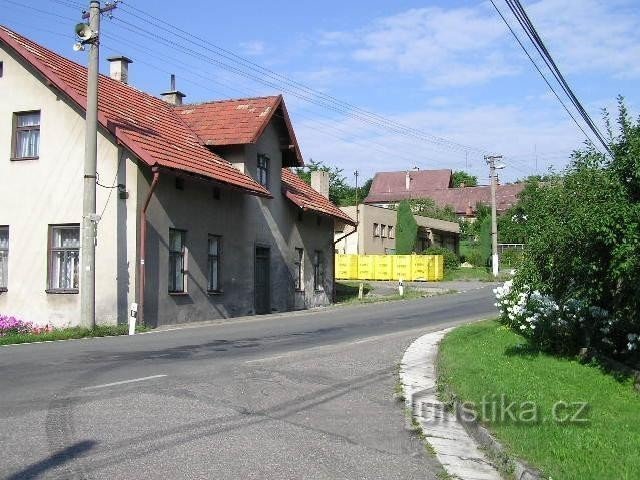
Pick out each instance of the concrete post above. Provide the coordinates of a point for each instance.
(89, 219)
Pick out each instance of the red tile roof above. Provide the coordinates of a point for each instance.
(237, 122)
(391, 186)
(463, 198)
(305, 197)
(146, 125)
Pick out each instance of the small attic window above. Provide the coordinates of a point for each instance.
(1, 69)
(216, 193)
(179, 183)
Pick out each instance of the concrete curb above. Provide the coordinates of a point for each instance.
(459, 444)
(454, 447)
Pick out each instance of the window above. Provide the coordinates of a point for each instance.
(318, 267)
(64, 258)
(213, 278)
(4, 258)
(383, 230)
(1, 69)
(26, 135)
(299, 269)
(179, 183)
(176, 261)
(390, 233)
(216, 193)
(376, 231)
(263, 170)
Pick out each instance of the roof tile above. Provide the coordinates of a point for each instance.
(148, 126)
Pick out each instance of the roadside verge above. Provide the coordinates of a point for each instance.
(454, 447)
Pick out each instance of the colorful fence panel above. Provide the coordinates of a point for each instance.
(347, 266)
(390, 267)
(383, 267)
(366, 267)
(402, 267)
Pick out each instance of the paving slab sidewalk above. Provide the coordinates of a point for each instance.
(454, 448)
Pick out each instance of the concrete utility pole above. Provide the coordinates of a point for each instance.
(357, 174)
(89, 35)
(89, 219)
(491, 159)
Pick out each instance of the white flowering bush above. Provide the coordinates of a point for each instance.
(562, 328)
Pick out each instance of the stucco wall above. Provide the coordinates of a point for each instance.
(38, 193)
(443, 233)
(244, 222)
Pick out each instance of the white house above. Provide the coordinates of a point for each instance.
(200, 215)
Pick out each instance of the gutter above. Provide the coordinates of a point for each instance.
(143, 244)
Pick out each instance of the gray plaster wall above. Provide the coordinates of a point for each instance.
(244, 222)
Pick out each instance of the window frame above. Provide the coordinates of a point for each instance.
(183, 256)
(390, 232)
(299, 263)
(383, 228)
(264, 169)
(210, 259)
(318, 273)
(14, 134)
(376, 232)
(50, 257)
(4, 253)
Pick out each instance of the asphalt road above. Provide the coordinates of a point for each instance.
(306, 395)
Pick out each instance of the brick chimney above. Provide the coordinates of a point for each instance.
(320, 182)
(119, 68)
(407, 181)
(173, 96)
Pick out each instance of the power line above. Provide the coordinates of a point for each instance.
(229, 55)
(526, 23)
(531, 33)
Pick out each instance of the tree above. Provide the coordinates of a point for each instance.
(340, 192)
(459, 178)
(406, 229)
(583, 247)
(428, 208)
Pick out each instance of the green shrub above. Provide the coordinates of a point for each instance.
(451, 260)
(511, 258)
(476, 258)
(583, 248)
(406, 230)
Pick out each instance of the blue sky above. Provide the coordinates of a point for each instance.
(446, 69)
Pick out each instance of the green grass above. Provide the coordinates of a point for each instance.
(484, 359)
(69, 333)
(474, 273)
(347, 293)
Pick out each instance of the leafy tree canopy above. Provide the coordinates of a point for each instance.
(340, 192)
(459, 178)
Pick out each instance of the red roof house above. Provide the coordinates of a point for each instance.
(393, 187)
(200, 216)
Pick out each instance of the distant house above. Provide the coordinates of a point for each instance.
(390, 188)
(200, 216)
(376, 232)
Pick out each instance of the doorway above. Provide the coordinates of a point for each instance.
(262, 281)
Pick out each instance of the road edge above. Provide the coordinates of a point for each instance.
(454, 448)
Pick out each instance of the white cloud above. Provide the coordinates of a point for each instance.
(470, 45)
(445, 46)
(252, 48)
(591, 35)
(514, 131)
